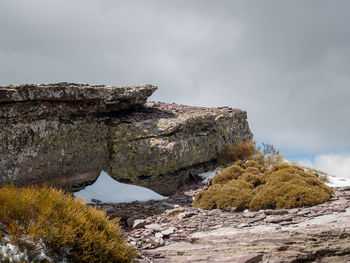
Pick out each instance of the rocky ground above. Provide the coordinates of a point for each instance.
(173, 231)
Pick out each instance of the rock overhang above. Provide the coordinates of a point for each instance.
(69, 140)
(171, 143)
(64, 91)
(67, 99)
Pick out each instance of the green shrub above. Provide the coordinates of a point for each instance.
(262, 180)
(66, 226)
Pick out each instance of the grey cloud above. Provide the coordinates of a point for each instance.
(285, 62)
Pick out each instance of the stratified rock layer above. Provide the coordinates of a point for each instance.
(163, 145)
(65, 134)
(66, 99)
(176, 232)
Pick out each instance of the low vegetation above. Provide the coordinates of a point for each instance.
(239, 151)
(66, 227)
(261, 179)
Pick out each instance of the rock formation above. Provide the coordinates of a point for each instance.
(65, 134)
(173, 231)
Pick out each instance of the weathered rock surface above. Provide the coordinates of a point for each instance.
(65, 134)
(66, 99)
(160, 153)
(310, 234)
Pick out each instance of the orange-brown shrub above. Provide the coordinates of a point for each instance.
(61, 223)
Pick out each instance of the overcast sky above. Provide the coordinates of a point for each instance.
(285, 62)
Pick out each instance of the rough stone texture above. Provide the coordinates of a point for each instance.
(309, 234)
(58, 152)
(66, 99)
(163, 152)
(65, 134)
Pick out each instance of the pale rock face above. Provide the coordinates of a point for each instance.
(307, 234)
(65, 134)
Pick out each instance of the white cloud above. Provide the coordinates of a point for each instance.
(334, 164)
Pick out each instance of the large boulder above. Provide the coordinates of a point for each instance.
(59, 134)
(162, 145)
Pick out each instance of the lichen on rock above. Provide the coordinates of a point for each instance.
(65, 134)
(188, 139)
(67, 99)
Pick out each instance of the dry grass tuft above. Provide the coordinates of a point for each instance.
(289, 188)
(262, 180)
(236, 193)
(65, 225)
(227, 174)
(239, 151)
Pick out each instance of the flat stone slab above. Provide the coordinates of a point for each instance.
(65, 99)
(64, 91)
(321, 234)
